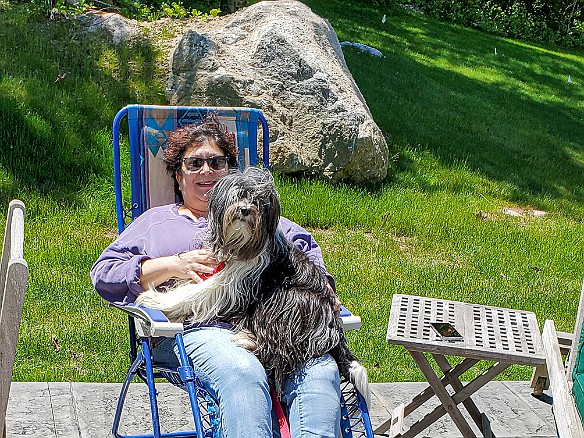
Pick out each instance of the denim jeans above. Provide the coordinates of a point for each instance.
(238, 381)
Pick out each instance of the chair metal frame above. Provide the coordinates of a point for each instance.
(145, 324)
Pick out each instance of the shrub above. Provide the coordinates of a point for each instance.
(137, 9)
(556, 21)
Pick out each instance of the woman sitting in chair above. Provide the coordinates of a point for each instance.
(164, 244)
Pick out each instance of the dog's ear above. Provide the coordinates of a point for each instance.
(218, 198)
(272, 201)
(274, 205)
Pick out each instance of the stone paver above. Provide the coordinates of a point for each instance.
(86, 410)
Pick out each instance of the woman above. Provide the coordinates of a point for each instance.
(165, 244)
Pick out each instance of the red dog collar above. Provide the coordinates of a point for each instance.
(217, 268)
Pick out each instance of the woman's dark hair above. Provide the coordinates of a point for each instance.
(192, 134)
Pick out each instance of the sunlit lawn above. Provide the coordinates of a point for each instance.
(471, 133)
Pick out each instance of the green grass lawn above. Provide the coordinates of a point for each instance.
(471, 133)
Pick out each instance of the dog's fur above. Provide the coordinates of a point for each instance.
(278, 299)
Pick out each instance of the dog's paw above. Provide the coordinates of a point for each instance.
(245, 340)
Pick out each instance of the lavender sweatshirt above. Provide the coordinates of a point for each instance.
(162, 231)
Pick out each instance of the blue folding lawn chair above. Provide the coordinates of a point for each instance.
(148, 127)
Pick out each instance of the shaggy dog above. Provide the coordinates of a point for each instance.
(278, 300)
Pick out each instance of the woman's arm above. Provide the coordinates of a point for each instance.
(158, 246)
(116, 273)
(120, 275)
(304, 241)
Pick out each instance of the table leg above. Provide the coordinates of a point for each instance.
(458, 397)
(457, 385)
(427, 393)
(439, 389)
(446, 379)
(480, 381)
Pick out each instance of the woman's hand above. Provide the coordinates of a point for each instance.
(195, 262)
(187, 265)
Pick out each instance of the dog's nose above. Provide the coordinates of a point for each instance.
(244, 211)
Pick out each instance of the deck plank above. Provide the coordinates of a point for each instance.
(86, 410)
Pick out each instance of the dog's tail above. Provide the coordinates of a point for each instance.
(359, 378)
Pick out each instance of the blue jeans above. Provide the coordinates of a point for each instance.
(238, 381)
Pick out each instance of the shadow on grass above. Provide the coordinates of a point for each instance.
(511, 117)
(537, 146)
(59, 91)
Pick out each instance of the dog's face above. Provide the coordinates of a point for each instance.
(244, 211)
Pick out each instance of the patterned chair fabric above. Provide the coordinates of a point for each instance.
(149, 127)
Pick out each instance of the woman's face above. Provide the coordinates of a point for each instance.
(195, 184)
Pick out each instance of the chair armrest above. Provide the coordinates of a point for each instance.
(540, 379)
(154, 323)
(350, 321)
(567, 418)
(150, 322)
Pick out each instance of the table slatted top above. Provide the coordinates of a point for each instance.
(490, 333)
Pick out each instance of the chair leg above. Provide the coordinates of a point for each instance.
(143, 358)
(125, 386)
(188, 376)
(151, 387)
(365, 415)
(355, 420)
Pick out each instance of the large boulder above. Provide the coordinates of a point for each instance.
(280, 57)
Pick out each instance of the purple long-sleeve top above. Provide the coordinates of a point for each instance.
(162, 231)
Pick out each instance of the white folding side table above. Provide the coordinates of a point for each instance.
(505, 336)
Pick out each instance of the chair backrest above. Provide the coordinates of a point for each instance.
(13, 279)
(148, 129)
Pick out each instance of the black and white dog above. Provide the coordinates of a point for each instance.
(279, 301)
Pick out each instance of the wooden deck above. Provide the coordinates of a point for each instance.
(84, 410)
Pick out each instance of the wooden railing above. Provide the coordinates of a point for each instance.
(13, 279)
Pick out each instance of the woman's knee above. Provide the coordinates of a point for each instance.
(319, 376)
(322, 368)
(246, 371)
(312, 398)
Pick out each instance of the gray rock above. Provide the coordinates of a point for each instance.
(115, 27)
(280, 57)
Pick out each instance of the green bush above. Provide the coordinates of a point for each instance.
(558, 22)
(151, 9)
(141, 10)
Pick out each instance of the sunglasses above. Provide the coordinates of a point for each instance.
(194, 164)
